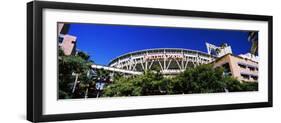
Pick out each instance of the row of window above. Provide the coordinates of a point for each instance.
(245, 66)
(247, 76)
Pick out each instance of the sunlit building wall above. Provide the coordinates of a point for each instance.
(66, 42)
(245, 70)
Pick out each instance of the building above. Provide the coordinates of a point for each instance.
(218, 51)
(168, 61)
(250, 56)
(244, 69)
(66, 42)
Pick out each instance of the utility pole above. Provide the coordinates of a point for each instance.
(75, 82)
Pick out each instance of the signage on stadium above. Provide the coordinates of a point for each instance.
(162, 56)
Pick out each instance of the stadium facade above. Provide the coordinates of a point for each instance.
(172, 61)
(169, 61)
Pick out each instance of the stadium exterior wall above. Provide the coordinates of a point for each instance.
(168, 60)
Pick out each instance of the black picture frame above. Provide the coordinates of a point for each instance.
(34, 60)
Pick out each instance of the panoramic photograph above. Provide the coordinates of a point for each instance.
(106, 60)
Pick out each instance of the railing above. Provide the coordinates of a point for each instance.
(116, 69)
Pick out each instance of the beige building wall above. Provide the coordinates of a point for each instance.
(68, 44)
(240, 68)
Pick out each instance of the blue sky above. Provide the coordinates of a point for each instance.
(106, 42)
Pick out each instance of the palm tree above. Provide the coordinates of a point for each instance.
(253, 38)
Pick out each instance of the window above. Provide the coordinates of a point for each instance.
(252, 68)
(254, 77)
(60, 40)
(227, 71)
(242, 65)
(245, 76)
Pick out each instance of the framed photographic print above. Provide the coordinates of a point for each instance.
(95, 61)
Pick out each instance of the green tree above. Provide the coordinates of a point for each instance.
(201, 79)
(232, 84)
(78, 64)
(250, 86)
(150, 83)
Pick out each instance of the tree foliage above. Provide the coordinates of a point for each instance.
(200, 79)
(68, 67)
(147, 84)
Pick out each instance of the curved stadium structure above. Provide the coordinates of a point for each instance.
(169, 61)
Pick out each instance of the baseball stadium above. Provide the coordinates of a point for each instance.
(115, 65)
(169, 61)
